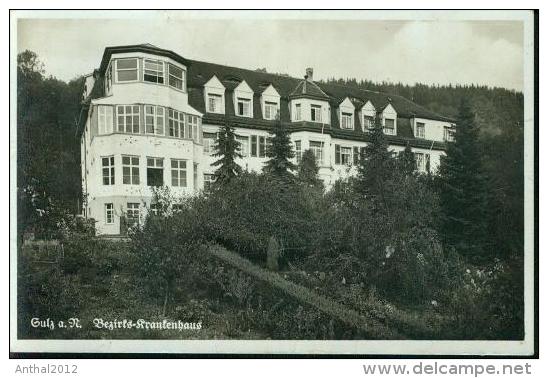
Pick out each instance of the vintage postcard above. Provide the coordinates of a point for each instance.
(273, 182)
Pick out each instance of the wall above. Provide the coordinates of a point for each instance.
(433, 130)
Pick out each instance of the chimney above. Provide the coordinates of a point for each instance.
(309, 74)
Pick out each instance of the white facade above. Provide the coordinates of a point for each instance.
(142, 132)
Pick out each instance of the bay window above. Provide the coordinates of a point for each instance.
(105, 119)
(154, 119)
(153, 71)
(108, 170)
(128, 117)
(155, 171)
(297, 112)
(130, 170)
(176, 123)
(127, 70)
(176, 77)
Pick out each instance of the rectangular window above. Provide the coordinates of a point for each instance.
(126, 70)
(343, 155)
(176, 77)
(176, 123)
(270, 110)
(262, 146)
(106, 119)
(108, 170)
(422, 162)
(128, 118)
(155, 171)
(154, 71)
(209, 143)
(389, 127)
(298, 151)
(132, 213)
(346, 121)
(448, 134)
(214, 103)
(420, 130)
(356, 155)
(317, 148)
(130, 170)
(178, 172)
(243, 107)
(297, 112)
(368, 122)
(258, 146)
(244, 145)
(154, 120)
(193, 125)
(109, 213)
(208, 181)
(315, 113)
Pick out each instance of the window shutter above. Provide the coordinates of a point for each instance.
(356, 155)
(337, 154)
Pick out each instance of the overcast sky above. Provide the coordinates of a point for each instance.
(464, 52)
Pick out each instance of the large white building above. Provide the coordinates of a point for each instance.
(150, 117)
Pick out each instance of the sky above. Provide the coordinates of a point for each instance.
(430, 52)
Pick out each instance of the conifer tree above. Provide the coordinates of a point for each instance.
(280, 151)
(406, 161)
(308, 171)
(376, 165)
(463, 189)
(227, 149)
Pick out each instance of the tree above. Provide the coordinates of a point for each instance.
(376, 165)
(280, 151)
(227, 150)
(406, 161)
(308, 171)
(463, 189)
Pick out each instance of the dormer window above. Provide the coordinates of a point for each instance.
(419, 130)
(270, 110)
(346, 121)
(243, 107)
(176, 77)
(154, 71)
(126, 70)
(389, 126)
(368, 122)
(448, 134)
(214, 103)
(315, 113)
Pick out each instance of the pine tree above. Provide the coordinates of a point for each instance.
(376, 164)
(227, 150)
(463, 189)
(406, 161)
(308, 171)
(280, 151)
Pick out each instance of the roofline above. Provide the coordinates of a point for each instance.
(139, 48)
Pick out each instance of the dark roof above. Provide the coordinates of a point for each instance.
(199, 73)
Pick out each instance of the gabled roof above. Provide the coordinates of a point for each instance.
(308, 88)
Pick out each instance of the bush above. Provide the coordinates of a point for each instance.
(244, 214)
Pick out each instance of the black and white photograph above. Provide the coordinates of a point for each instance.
(267, 182)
